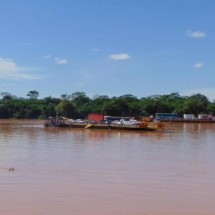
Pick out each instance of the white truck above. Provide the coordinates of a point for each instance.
(189, 116)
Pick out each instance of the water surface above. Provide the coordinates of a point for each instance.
(102, 172)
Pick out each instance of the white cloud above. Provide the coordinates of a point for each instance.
(121, 56)
(56, 59)
(196, 34)
(198, 65)
(7, 65)
(61, 61)
(209, 92)
(9, 70)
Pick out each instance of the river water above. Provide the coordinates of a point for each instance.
(60, 171)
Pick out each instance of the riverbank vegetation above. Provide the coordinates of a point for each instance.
(79, 105)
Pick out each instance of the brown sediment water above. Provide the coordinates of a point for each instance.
(62, 171)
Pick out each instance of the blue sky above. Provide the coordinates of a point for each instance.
(109, 47)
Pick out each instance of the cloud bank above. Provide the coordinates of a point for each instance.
(9, 70)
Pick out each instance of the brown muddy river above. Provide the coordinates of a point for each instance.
(94, 172)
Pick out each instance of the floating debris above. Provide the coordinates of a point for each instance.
(11, 169)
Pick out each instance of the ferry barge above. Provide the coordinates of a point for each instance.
(135, 126)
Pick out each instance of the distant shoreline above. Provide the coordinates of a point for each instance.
(189, 121)
(27, 121)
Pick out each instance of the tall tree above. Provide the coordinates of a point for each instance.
(33, 94)
(196, 104)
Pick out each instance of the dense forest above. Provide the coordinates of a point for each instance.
(79, 105)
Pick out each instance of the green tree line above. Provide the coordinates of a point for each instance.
(79, 105)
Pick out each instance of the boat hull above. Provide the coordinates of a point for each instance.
(120, 127)
(102, 126)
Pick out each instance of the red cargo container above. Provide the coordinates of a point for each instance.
(96, 117)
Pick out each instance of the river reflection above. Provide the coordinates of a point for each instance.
(102, 172)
